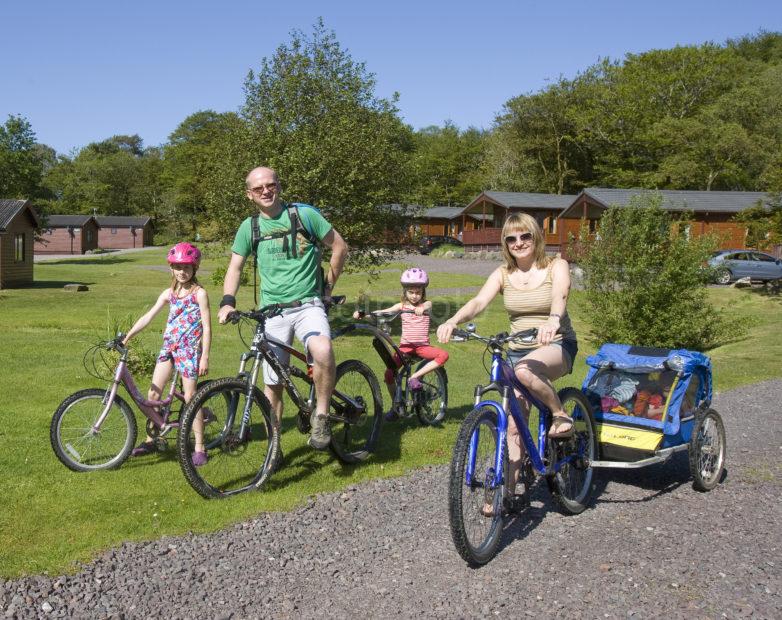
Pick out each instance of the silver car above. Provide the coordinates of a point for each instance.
(730, 265)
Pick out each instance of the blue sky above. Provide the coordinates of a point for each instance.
(83, 70)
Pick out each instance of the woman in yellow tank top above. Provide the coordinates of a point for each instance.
(535, 289)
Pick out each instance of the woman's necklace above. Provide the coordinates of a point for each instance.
(526, 276)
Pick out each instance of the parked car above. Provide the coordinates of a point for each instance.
(731, 265)
(427, 244)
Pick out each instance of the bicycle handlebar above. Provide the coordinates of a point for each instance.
(387, 315)
(528, 336)
(271, 310)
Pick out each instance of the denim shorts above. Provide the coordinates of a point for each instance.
(569, 348)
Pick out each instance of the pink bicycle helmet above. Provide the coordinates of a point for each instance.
(414, 277)
(184, 254)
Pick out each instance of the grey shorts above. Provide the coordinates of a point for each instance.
(306, 321)
(569, 349)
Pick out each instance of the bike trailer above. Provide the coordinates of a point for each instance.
(645, 398)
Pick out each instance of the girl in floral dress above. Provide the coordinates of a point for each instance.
(186, 339)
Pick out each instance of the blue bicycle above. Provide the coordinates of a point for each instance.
(480, 493)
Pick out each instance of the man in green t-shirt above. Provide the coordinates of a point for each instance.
(289, 274)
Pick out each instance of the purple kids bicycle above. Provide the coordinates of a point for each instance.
(95, 428)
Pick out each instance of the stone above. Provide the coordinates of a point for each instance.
(75, 288)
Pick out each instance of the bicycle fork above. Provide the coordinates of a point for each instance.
(108, 399)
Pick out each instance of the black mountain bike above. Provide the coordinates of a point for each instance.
(430, 403)
(242, 442)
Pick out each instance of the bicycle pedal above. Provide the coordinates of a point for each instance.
(514, 504)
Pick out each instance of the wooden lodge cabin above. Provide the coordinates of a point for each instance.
(712, 212)
(119, 232)
(493, 207)
(562, 216)
(68, 234)
(446, 221)
(18, 223)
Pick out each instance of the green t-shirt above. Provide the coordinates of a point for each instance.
(284, 278)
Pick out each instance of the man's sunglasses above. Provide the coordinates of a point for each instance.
(522, 238)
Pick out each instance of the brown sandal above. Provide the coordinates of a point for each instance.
(556, 431)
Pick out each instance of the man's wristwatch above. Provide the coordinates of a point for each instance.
(228, 300)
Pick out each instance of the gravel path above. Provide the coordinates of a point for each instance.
(650, 546)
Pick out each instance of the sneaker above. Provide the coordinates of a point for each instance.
(414, 384)
(391, 416)
(144, 448)
(199, 458)
(320, 437)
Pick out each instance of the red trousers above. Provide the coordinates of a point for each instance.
(425, 351)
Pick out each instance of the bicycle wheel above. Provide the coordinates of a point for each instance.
(81, 447)
(356, 412)
(475, 529)
(571, 486)
(431, 402)
(236, 461)
(707, 450)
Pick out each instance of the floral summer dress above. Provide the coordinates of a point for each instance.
(182, 338)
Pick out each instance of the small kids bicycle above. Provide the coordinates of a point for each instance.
(242, 443)
(430, 403)
(95, 428)
(480, 476)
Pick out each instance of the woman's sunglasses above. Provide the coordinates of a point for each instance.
(522, 238)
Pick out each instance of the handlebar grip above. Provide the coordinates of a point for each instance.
(335, 300)
(234, 317)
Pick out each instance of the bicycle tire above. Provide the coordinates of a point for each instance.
(431, 403)
(355, 433)
(81, 449)
(235, 464)
(707, 450)
(572, 485)
(475, 535)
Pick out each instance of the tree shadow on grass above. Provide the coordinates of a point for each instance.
(109, 260)
(46, 284)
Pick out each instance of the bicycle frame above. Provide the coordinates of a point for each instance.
(504, 380)
(147, 407)
(260, 350)
(407, 362)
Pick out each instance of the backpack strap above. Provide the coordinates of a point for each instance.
(297, 227)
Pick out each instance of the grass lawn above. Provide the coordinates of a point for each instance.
(53, 518)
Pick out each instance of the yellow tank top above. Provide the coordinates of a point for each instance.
(531, 308)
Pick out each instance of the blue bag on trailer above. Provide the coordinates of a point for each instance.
(645, 398)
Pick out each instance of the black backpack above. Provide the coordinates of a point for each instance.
(289, 242)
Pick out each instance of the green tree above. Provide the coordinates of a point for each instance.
(763, 222)
(444, 168)
(108, 177)
(537, 144)
(21, 160)
(645, 280)
(312, 114)
(191, 162)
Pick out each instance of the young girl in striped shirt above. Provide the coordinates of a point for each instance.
(415, 330)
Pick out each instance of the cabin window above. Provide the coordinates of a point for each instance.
(19, 248)
(114, 230)
(89, 236)
(551, 225)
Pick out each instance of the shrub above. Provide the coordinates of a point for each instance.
(645, 280)
(440, 250)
